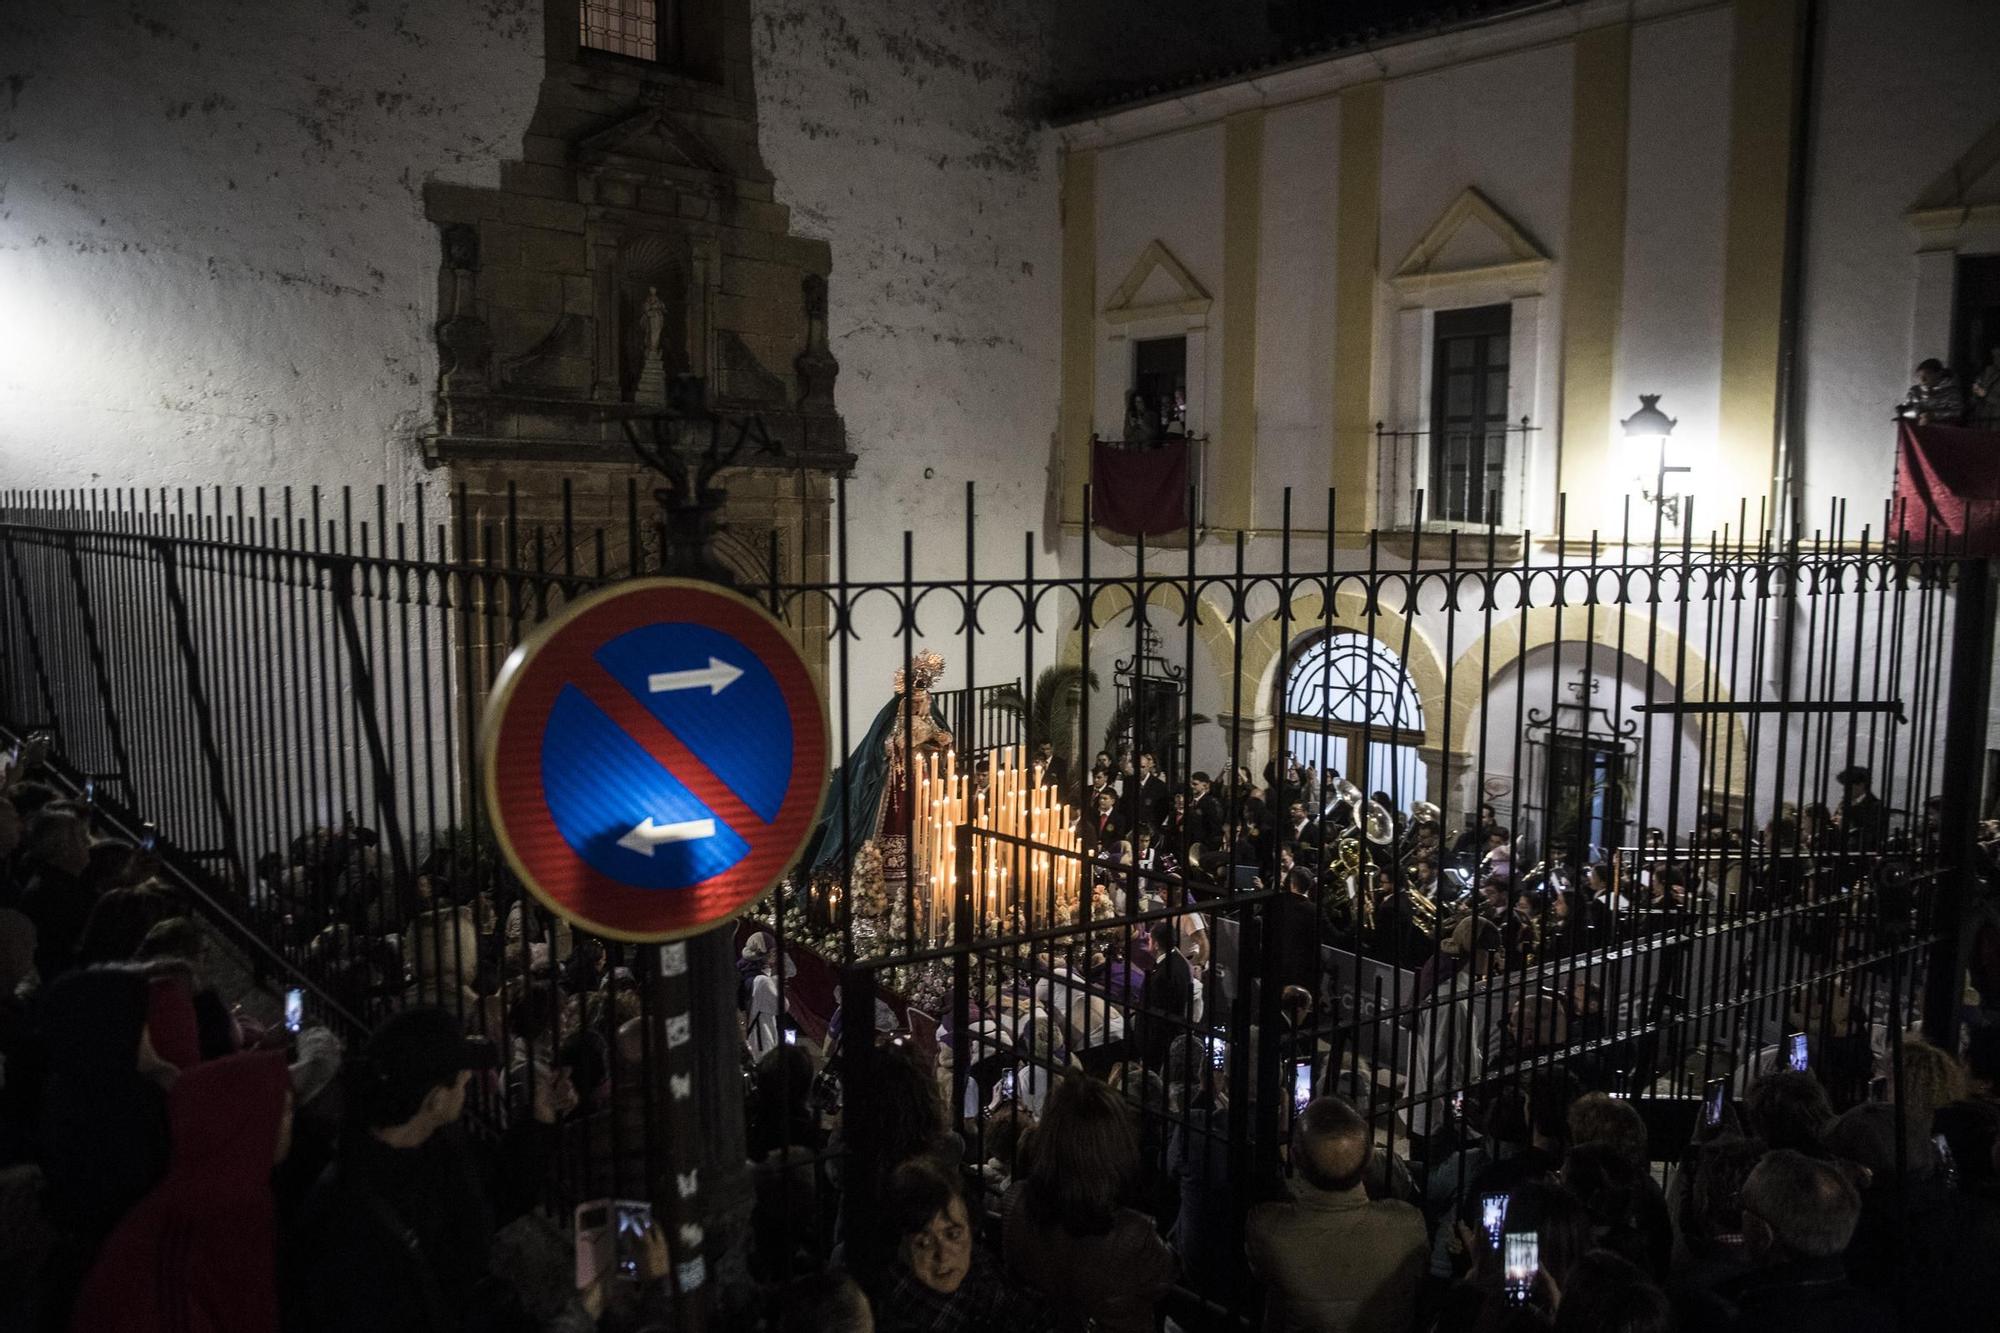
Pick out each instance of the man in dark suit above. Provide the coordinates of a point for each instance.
(1104, 826)
(1055, 773)
(1294, 917)
(1167, 1002)
(1297, 831)
(1205, 821)
(1146, 792)
(1862, 819)
(1148, 854)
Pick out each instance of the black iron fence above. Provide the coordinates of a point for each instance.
(1623, 841)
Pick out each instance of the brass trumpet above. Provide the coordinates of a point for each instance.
(1423, 911)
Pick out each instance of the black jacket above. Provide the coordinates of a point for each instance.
(1808, 1296)
(1168, 1004)
(1146, 800)
(1295, 921)
(59, 904)
(395, 1240)
(1205, 823)
(103, 1124)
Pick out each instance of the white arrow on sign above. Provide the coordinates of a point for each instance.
(718, 675)
(648, 834)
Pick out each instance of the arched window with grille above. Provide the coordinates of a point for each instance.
(1351, 706)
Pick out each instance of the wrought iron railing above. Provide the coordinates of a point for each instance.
(1477, 478)
(288, 688)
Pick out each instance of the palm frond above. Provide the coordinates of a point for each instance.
(1118, 726)
(1049, 711)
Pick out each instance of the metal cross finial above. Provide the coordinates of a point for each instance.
(688, 445)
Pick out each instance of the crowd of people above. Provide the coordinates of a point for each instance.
(1544, 1207)
(1394, 883)
(168, 1161)
(1090, 1177)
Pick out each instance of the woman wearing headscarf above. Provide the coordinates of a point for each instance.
(199, 1253)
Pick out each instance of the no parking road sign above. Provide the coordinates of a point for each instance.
(654, 758)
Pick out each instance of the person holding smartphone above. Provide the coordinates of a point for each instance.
(1382, 1244)
(1544, 1234)
(406, 1216)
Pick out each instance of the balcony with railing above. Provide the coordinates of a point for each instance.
(1445, 480)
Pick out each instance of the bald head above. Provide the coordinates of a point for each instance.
(1330, 1144)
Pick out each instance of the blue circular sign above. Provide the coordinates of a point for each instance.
(654, 753)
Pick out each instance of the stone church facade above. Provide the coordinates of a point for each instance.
(632, 257)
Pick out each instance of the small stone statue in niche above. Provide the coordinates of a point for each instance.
(656, 322)
(652, 387)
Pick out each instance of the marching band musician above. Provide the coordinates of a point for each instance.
(1472, 843)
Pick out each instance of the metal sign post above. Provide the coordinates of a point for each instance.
(654, 761)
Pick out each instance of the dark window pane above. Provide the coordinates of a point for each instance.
(1458, 396)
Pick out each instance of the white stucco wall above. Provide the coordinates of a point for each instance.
(1678, 146)
(214, 263)
(1168, 189)
(1905, 89)
(907, 138)
(1296, 291)
(1500, 124)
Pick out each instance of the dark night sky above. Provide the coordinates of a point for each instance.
(1115, 50)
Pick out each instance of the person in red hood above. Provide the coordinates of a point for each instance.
(171, 1022)
(200, 1253)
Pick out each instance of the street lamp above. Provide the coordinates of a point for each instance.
(1646, 434)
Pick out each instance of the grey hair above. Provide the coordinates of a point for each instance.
(1809, 1205)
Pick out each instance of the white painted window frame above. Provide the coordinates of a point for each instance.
(1410, 376)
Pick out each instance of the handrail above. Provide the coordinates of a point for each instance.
(194, 883)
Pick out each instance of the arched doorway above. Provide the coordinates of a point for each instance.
(1350, 706)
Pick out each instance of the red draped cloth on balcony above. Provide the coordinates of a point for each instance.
(1948, 488)
(1140, 490)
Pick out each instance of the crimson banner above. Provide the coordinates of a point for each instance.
(1139, 491)
(1948, 488)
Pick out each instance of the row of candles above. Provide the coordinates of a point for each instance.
(1038, 882)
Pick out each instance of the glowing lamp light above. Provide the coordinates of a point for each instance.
(1649, 427)
(1647, 433)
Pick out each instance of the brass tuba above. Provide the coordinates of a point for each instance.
(1347, 794)
(1378, 826)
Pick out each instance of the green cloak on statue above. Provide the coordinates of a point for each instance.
(852, 811)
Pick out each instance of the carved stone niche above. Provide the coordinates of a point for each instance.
(656, 250)
(640, 268)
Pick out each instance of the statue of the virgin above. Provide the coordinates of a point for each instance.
(868, 798)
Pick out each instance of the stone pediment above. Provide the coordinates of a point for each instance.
(1472, 240)
(652, 137)
(1967, 193)
(1157, 286)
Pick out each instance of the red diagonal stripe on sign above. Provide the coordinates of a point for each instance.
(666, 749)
